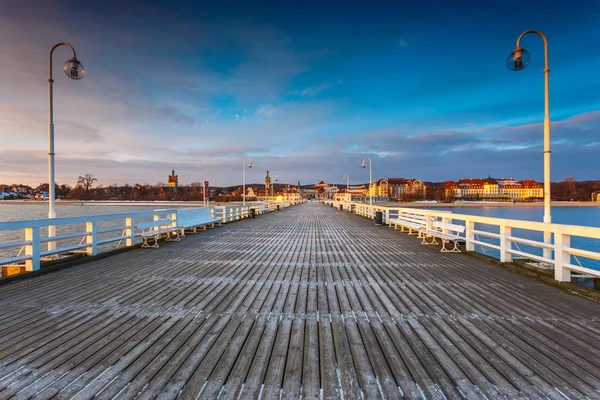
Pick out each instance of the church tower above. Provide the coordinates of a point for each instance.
(267, 182)
(173, 181)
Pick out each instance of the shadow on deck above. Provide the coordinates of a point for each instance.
(305, 302)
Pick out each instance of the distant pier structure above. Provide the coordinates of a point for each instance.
(173, 181)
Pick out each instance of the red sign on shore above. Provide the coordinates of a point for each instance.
(206, 191)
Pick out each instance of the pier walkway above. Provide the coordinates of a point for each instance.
(308, 302)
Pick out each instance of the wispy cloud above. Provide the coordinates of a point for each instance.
(313, 90)
(403, 43)
(265, 110)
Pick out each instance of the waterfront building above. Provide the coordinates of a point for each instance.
(493, 189)
(532, 189)
(321, 186)
(451, 190)
(343, 195)
(292, 194)
(358, 191)
(323, 190)
(510, 188)
(596, 196)
(173, 181)
(396, 188)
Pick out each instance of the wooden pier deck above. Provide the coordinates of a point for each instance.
(309, 303)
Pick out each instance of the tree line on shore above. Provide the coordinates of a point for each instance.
(568, 190)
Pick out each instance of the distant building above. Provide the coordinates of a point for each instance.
(451, 190)
(596, 196)
(343, 195)
(321, 185)
(493, 189)
(510, 188)
(267, 182)
(292, 194)
(396, 188)
(173, 181)
(532, 189)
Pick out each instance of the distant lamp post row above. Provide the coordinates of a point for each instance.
(249, 161)
(370, 178)
(518, 60)
(74, 70)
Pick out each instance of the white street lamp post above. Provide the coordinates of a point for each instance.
(74, 70)
(518, 60)
(346, 179)
(244, 176)
(370, 178)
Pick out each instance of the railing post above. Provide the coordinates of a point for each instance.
(129, 232)
(33, 249)
(447, 220)
(91, 238)
(428, 222)
(505, 243)
(561, 257)
(469, 235)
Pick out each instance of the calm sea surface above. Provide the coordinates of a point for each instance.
(15, 212)
(587, 216)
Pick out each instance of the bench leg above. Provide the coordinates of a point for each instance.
(455, 249)
(170, 238)
(156, 238)
(147, 238)
(425, 236)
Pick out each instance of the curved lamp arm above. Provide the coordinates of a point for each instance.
(540, 34)
(50, 57)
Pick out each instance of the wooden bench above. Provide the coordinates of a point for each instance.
(192, 219)
(416, 222)
(155, 229)
(262, 209)
(202, 223)
(445, 231)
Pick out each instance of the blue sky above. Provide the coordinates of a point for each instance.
(306, 89)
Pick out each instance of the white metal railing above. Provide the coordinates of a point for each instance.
(74, 234)
(25, 243)
(232, 213)
(572, 248)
